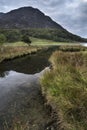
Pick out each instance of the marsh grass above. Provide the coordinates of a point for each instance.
(11, 52)
(72, 48)
(65, 88)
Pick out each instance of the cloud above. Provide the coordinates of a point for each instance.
(71, 14)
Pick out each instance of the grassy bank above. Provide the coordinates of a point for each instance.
(12, 50)
(8, 52)
(65, 88)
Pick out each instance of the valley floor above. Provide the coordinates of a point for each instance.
(10, 51)
(64, 87)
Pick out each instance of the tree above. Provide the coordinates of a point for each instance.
(26, 39)
(2, 39)
(13, 36)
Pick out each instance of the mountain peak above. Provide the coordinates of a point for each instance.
(27, 9)
(27, 17)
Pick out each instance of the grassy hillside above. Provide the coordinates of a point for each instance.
(35, 23)
(56, 35)
(65, 88)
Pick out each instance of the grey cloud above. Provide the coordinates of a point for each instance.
(1, 3)
(73, 16)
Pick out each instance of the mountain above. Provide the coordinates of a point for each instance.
(42, 26)
(27, 17)
(1, 14)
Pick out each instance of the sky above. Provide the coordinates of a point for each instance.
(71, 14)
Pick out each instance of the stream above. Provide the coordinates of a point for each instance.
(21, 103)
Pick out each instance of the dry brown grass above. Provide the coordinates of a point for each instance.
(11, 52)
(65, 88)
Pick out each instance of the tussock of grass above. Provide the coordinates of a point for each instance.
(71, 48)
(11, 52)
(65, 87)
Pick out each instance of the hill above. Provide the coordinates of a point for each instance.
(1, 14)
(27, 17)
(37, 23)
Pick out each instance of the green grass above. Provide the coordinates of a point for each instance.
(65, 88)
(16, 44)
(37, 41)
(17, 49)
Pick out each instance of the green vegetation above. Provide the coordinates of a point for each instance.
(12, 50)
(20, 43)
(65, 87)
(56, 35)
(13, 36)
(38, 41)
(2, 39)
(26, 39)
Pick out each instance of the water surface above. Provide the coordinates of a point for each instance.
(20, 93)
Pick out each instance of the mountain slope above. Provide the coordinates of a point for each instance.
(1, 14)
(37, 23)
(27, 17)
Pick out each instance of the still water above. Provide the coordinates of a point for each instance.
(28, 65)
(84, 44)
(20, 92)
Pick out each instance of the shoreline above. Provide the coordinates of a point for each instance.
(33, 103)
(15, 55)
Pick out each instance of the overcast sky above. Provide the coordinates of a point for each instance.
(71, 14)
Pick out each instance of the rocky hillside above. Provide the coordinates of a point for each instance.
(42, 26)
(26, 17)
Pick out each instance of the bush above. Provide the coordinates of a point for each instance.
(2, 38)
(26, 39)
(13, 36)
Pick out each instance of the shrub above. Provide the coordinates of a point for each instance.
(2, 38)
(26, 39)
(13, 36)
